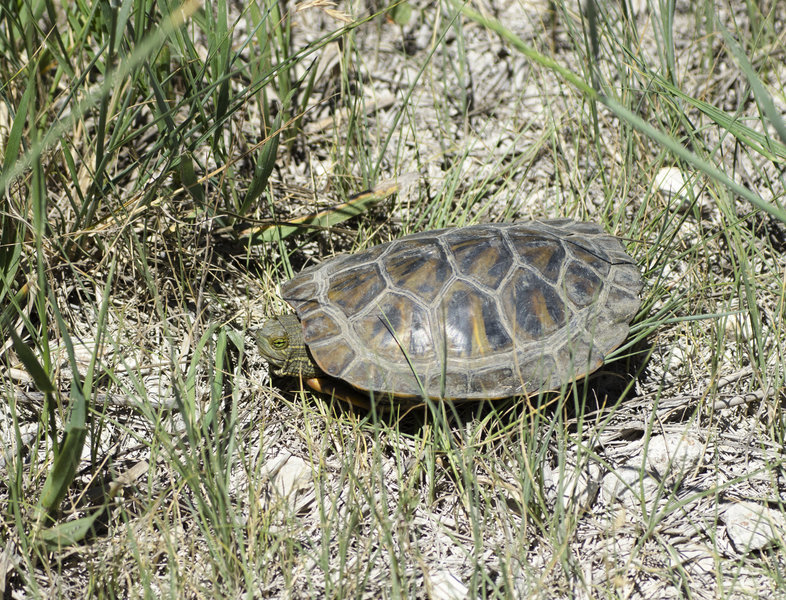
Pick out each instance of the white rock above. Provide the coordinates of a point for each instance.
(580, 488)
(549, 483)
(676, 358)
(752, 526)
(675, 185)
(630, 486)
(739, 327)
(674, 454)
(446, 586)
(288, 474)
(671, 182)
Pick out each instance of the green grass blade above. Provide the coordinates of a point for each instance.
(67, 459)
(266, 162)
(190, 180)
(17, 129)
(762, 96)
(689, 157)
(161, 102)
(64, 468)
(34, 368)
(70, 533)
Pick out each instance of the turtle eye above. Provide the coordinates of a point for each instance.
(279, 343)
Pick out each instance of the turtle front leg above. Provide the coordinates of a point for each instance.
(345, 392)
(336, 389)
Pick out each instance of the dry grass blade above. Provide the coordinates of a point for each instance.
(327, 7)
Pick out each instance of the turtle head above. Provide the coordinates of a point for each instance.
(280, 340)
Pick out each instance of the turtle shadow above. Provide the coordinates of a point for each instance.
(413, 417)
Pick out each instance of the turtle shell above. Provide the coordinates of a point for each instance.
(485, 311)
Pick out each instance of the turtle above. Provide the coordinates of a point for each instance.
(478, 312)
